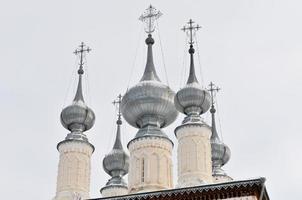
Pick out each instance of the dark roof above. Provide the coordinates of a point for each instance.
(249, 187)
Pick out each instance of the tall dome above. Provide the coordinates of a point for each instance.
(149, 104)
(192, 100)
(149, 107)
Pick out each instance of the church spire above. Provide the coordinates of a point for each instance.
(190, 30)
(192, 99)
(81, 51)
(116, 163)
(220, 151)
(149, 17)
(212, 90)
(78, 117)
(118, 143)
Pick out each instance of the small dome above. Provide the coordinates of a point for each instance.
(192, 99)
(220, 153)
(116, 163)
(77, 116)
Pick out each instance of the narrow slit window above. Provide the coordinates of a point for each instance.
(143, 171)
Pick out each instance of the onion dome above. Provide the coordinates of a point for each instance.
(116, 163)
(220, 152)
(78, 117)
(149, 104)
(192, 100)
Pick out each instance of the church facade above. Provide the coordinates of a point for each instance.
(149, 106)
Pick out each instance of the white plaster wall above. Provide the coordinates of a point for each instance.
(150, 164)
(73, 170)
(194, 155)
(114, 191)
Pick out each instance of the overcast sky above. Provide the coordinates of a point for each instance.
(252, 49)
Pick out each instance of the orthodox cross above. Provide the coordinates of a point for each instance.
(149, 16)
(118, 102)
(190, 29)
(213, 88)
(82, 50)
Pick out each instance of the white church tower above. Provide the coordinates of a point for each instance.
(194, 147)
(73, 180)
(149, 107)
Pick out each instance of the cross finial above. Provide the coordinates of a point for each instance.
(213, 88)
(81, 50)
(118, 102)
(190, 29)
(149, 17)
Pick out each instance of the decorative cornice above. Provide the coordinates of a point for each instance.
(113, 186)
(76, 141)
(134, 140)
(187, 125)
(259, 182)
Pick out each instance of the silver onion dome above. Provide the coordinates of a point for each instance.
(78, 117)
(149, 104)
(192, 99)
(220, 152)
(116, 163)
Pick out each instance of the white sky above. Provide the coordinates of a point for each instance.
(250, 48)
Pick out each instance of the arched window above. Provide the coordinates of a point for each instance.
(143, 171)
